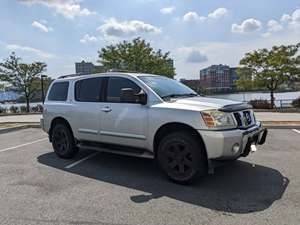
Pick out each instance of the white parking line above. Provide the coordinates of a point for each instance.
(22, 145)
(81, 160)
(297, 131)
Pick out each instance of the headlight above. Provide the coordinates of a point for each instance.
(218, 120)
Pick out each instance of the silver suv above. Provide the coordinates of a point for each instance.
(148, 116)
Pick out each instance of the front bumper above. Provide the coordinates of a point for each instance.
(220, 144)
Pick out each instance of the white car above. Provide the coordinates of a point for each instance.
(148, 116)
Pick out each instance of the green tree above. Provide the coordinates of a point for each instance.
(245, 81)
(137, 56)
(21, 75)
(2, 87)
(271, 68)
(36, 95)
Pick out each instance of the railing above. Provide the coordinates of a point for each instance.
(280, 103)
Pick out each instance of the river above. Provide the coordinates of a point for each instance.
(247, 96)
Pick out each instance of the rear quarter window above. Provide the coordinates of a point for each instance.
(59, 91)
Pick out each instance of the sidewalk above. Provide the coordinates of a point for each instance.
(261, 116)
(21, 119)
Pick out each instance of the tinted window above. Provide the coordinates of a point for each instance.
(59, 91)
(116, 84)
(88, 90)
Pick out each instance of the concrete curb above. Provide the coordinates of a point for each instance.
(15, 128)
(275, 126)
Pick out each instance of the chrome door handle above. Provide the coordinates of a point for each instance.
(106, 109)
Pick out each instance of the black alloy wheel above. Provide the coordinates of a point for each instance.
(63, 141)
(181, 157)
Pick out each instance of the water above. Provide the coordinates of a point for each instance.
(8, 105)
(259, 95)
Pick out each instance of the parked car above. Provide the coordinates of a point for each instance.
(148, 116)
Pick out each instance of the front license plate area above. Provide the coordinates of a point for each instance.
(253, 148)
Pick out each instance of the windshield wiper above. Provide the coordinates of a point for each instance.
(179, 95)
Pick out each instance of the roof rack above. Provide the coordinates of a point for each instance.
(71, 75)
(121, 71)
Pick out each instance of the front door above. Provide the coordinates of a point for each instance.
(123, 123)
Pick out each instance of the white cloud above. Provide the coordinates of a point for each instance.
(274, 26)
(112, 27)
(41, 26)
(195, 17)
(287, 22)
(295, 19)
(87, 38)
(167, 10)
(247, 26)
(218, 13)
(285, 18)
(67, 8)
(291, 20)
(38, 52)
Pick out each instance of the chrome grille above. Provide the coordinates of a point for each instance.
(244, 118)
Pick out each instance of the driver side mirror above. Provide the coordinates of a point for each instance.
(128, 96)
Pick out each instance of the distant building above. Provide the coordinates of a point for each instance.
(194, 84)
(171, 63)
(87, 68)
(218, 78)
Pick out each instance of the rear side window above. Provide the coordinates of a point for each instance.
(59, 91)
(116, 84)
(88, 90)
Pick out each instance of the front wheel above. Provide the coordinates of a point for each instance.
(182, 157)
(63, 141)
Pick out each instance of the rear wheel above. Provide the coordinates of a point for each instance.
(63, 141)
(182, 157)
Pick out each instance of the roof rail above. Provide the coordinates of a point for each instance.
(71, 75)
(121, 71)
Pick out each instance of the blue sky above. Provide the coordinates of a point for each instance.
(198, 33)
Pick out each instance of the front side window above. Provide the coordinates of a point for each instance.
(116, 84)
(88, 90)
(166, 87)
(59, 91)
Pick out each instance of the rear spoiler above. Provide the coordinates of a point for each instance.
(235, 107)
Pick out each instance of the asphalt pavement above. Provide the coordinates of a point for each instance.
(36, 187)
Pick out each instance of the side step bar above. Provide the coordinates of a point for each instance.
(120, 150)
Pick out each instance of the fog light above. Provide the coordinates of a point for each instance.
(235, 148)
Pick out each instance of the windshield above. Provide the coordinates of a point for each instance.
(166, 87)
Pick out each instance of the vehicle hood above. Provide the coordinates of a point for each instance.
(209, 103)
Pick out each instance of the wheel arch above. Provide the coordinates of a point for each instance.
(173, 127)
(57, 120)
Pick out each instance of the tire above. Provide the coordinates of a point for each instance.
(182, 157)
(63, 141)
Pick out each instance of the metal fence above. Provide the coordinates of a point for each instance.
(281, 103)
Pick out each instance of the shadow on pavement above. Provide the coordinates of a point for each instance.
(237, 188)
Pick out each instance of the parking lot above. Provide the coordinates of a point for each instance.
(36, 187)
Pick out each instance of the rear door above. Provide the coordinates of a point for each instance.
(88, 102)
(122, 123)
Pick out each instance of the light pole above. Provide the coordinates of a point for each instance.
(42, 85)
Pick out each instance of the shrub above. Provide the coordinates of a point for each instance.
(260, 104)
(2, 110)
(23, 109)
(13, 109)
(296, 103)
(37, 108)
(40, 108)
